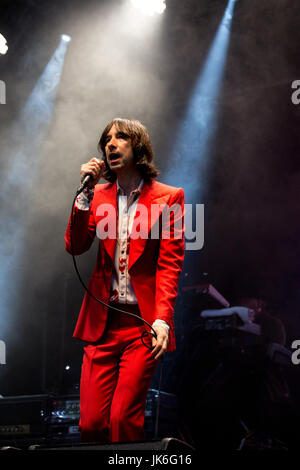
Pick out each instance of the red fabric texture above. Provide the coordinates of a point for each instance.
(154, 264)
(115, 378)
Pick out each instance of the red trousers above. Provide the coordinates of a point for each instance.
(115, 377)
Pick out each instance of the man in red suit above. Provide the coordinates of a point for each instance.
(139, 223)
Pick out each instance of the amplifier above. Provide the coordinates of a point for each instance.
(64, 418)
(23, 416)
(65, 409)
(56, 418)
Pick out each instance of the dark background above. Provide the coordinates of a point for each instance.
(252, 217)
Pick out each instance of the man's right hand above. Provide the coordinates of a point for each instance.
(95, 168)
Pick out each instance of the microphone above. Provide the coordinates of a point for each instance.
(85, 182)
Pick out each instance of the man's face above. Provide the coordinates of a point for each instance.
(118, 150)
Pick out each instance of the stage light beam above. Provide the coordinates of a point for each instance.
(27, 137)
(190, 155)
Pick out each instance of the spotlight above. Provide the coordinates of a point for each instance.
(66, 37)
(149, 7)
(3, 45)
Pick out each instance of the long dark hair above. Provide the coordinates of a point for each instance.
(141, 145)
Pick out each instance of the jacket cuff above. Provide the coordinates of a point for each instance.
(161, 323)
(84, 199)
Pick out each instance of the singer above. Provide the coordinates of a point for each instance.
(137, 275)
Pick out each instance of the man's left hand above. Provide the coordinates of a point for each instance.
(160, 344)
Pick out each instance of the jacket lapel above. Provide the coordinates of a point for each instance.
(150, 206)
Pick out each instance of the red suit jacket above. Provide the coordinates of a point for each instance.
(154, 263)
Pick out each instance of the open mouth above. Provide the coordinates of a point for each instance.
(114, 156)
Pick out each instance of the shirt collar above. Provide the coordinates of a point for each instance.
(138, 190)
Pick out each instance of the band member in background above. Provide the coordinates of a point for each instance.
(138, 275)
